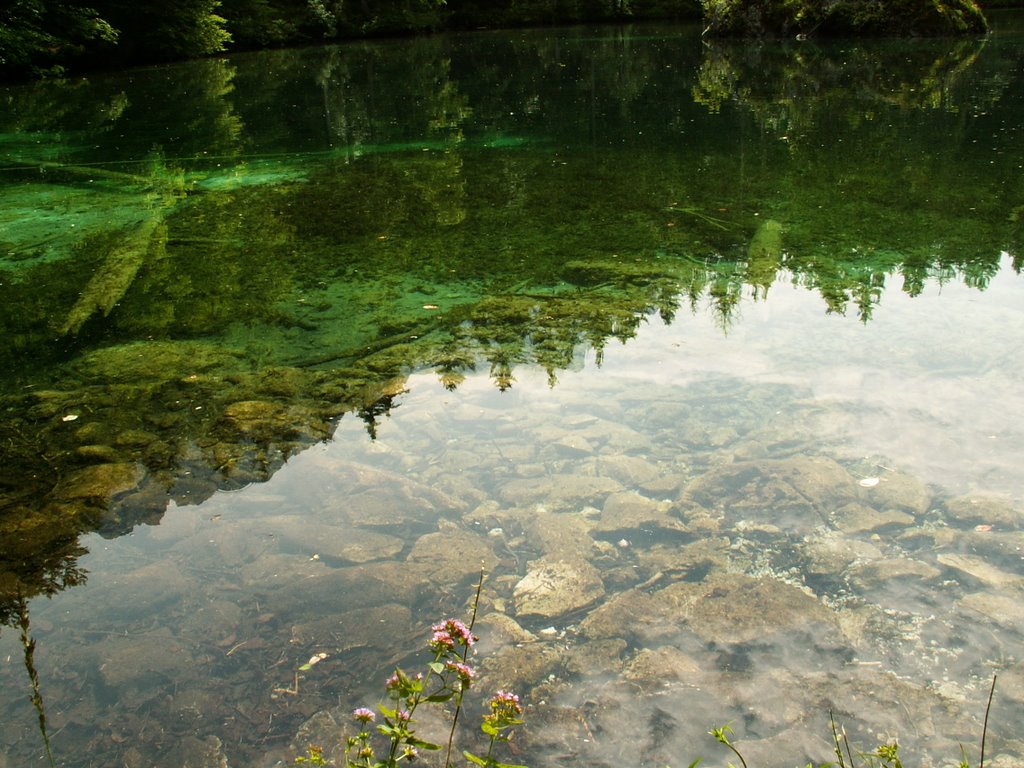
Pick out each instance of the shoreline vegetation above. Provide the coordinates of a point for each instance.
(54, 38)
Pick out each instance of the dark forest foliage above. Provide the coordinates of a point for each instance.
(801, 18)
(50, 37)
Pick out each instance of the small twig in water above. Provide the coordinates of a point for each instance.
(236, 647)
(720, 223)
(294, 691)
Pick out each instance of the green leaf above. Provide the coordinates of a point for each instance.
(474, 759)
(422, 744)
(437, 667)
(440, 696)
(507, 765)
(508, 722)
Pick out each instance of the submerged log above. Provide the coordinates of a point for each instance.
(117, 273)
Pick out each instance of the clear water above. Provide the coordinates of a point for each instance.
(295, 340)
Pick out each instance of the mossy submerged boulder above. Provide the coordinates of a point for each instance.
(799, 18)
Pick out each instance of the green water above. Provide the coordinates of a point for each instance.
(229, 288)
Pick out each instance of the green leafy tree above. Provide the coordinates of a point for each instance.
(268, 23)
(39, 36)
(48, 36)
(160, 30)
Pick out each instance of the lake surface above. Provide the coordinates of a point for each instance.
(709, 355)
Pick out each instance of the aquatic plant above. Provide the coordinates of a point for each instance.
(446, 679)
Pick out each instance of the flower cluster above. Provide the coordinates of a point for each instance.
(447, 677)
(504, 715)
(464, 672)
(364, 715)
(450, 633)
(505, 706)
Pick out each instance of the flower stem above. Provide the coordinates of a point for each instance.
(465, 654)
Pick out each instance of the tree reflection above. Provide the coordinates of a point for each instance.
(37, 572)
(28, 644)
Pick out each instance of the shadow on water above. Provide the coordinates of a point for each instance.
(207, 267)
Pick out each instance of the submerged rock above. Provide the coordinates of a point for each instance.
(665, 562)
(795, 494)
(518, 668)
(875, 576)
(263, 420)
(858, 518)
(192, 752)
(554, 587)
(155, 360)
(596, 657)
(981, 571)
(631, 471)
(143, 659)
(307, 583)
(559, 491)
(733, 608)
(452, 555)
(356, 545)
(497, 630)
(324, 731)
(626, 510)
(559, 535)
(1005, 610)
(653, 668)
(724, 608)
(829, 553)
(213, 621)
(897, 492)
(389, 624)
(976, 509)
(101, 481)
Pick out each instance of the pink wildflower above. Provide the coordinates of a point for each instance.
(449, 633)
(465, 672)
(442, 641)
(364, 715)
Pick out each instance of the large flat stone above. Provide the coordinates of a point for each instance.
(556, 587)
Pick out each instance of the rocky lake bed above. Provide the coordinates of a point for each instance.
(644, 583)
